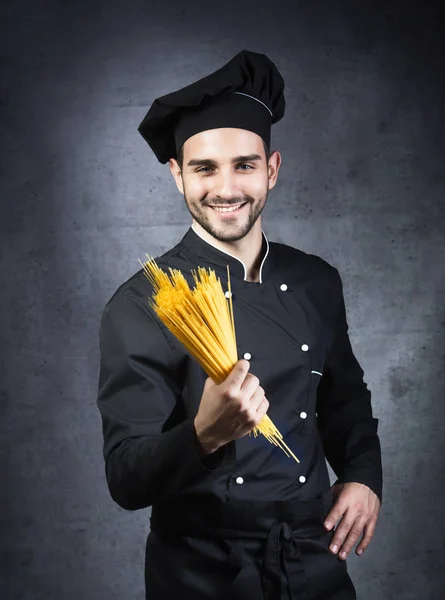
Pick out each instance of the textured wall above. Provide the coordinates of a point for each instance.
(83, 197)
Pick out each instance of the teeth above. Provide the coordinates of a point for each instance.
(220, 209)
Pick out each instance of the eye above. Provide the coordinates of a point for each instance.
(240, 165)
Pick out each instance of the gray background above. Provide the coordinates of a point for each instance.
(83, 197)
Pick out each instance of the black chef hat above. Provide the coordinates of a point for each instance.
(246, 93)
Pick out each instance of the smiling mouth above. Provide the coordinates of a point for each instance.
(227, 209)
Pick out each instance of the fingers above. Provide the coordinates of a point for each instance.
(342, 530)
(254, 408)
(369, 532)
(259, 405)
(351, 527)
(358, 507)
(238, 374)
(335, 513)
(347, 541)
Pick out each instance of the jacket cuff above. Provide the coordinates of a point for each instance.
(209, 462)
(370, 474)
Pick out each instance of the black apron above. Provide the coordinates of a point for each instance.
(242, 550)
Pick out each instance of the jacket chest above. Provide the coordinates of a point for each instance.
(281, 331)
(285, 336)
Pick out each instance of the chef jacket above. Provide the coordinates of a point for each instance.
(292, 327)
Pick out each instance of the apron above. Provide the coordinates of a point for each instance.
(202, 549)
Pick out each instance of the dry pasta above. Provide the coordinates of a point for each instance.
(202, 320)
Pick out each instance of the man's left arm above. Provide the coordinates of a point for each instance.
(348, 431)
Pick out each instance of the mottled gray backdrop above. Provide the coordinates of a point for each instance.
(83, 197)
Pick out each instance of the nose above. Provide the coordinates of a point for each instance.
(224, 186)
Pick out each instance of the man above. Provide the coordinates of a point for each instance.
(232, 514)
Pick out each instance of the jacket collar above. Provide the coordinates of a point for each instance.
(205, 254)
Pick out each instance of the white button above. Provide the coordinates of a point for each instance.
(247, 356)
(302, 478)
(239, 480)
(316, 414)
(305, 347)
(303, 415)
(228, 294)
(283, 287)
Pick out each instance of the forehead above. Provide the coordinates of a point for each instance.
(222, 143)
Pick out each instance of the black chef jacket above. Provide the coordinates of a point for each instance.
(292, 327)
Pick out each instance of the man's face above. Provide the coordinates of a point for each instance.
(215, 176)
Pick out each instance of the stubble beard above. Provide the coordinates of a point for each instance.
(227, 232)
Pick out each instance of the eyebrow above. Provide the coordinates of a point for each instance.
(212, 163)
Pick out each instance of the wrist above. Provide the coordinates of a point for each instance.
(206, 444)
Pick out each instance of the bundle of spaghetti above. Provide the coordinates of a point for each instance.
(202, 320)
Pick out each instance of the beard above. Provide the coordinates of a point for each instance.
(228, 230)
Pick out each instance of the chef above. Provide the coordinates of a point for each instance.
(233, 515)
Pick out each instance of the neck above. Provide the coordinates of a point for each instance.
(247, 249)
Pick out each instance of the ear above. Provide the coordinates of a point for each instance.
(176, 172)
(273, 168)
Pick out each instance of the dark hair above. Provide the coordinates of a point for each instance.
(180, 157)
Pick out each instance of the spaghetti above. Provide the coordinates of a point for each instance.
(202, 320)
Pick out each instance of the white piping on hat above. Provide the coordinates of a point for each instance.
(265, 106)
(233, 256)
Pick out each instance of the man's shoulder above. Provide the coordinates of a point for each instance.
(138, 286)
(300, 261)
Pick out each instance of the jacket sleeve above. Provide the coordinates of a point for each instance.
(345, 420)
(138, 389)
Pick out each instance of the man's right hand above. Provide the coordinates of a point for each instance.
(230, 410)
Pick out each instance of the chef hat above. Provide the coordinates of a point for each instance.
(246, 93)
